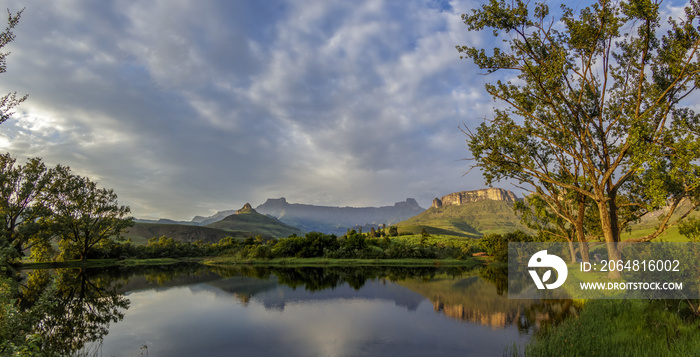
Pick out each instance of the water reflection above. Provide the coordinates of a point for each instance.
(194, 309)
(68, 308)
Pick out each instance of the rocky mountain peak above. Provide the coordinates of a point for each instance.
(274, 204)
(409, 203)
(246, 208)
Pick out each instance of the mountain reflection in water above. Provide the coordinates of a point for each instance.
(294, 311)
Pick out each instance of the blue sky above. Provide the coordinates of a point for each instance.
(190, 107)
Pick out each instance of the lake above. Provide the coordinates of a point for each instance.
(187, 310)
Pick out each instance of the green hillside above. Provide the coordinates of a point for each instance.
(247, 221)
(471, 219)
(650, 222)
(140, 233)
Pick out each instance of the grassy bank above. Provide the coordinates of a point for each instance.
(621, 328)
(343, 262)
(101, 263)
(229, 260)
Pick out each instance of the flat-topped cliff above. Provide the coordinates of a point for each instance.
(464, 197)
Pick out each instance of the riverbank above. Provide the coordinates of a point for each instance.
(617, 327)
(621, 328)
(345, 262)
(101, 263)
(225, 260)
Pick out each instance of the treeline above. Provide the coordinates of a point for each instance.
(41, 206)
(352, 245)
(357, 246)
(311, 245)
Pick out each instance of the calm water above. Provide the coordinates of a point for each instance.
(196, 310)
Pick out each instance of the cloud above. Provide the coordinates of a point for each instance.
(186, 108)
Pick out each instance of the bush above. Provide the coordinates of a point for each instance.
(496, 245)
(262, 251)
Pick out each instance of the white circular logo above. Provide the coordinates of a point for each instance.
(543, 260)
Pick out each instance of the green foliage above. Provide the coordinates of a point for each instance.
(84, 215)
(313, 244)
(56, 315)
(393, 231)
(597, 108)
(10, 100)
(620, 328)
(496, 245)
(354, 241)
(38, 205)
(261, 252)
(23, 203)
(690, 228)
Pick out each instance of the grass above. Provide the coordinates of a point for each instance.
(434, 239)
(472, 219)
(620, 328)
(342, 262)
(576, 276)
(670, 235)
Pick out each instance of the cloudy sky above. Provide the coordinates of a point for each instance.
(190, 107)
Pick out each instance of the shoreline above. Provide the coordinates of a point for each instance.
(225, 261)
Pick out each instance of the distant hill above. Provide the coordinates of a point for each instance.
(203, 221)
(241, 224)
(246, 221)
(468, 213)
(163, 221)
(142, 232)
(337, 220)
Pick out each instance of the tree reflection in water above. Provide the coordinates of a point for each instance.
(68, 311)
(63, 312)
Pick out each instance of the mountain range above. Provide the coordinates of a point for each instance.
(464, 213)
(337, 220)
(243, 223)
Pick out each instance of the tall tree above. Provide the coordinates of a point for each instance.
(84, 215)
(23, 203)
(10, 100)
(598, 108)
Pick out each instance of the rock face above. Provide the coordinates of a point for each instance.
(464, 197)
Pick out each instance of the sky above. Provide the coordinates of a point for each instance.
(186, 108)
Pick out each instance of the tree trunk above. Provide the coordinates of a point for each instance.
(583, 249)
(580, 233)
(86, 248)
(609, 226)
(572, 251)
